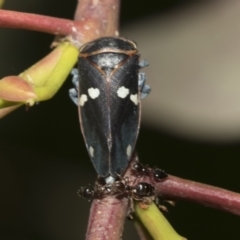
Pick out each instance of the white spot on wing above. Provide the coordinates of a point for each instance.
(82, 99)
(129, 150)
(91, 151)
(122, 92)
(93, 92)
(134, 98)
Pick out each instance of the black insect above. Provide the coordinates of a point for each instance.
(156, 174)
(108, 92)
(142, 190)
(138, 192)
(139, 169)
(143, 193)
(87, 192)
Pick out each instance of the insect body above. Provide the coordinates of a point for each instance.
(156, 174)
(109, 88)
(143, 190)
(87, 192)
(139, 192)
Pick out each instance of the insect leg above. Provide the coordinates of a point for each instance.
(73, 92)
(144, 89)
(143, 63)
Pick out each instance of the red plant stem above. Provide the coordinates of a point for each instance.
(106, 218)
(99, 18)
(104, 13)
(35, 22)
(215, 197)
(93, 19)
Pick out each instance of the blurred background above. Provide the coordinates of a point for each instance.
(190, 126)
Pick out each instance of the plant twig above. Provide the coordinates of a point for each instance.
(93, 19)
(100, 16)
(215, 197)
(106, 218)
(156, 224)
(35, 22)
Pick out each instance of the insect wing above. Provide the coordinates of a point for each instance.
(93, 115)
(125, 113)
(109, 105)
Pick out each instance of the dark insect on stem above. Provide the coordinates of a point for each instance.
(156, 174)
(142, 192)
(87, 192)
(108, 90)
